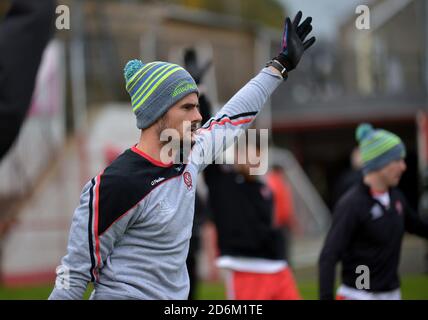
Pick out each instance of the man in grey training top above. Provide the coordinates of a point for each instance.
(130, 234)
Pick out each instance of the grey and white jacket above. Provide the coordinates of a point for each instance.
(130, 234)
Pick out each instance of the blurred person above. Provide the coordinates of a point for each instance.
(201, 209)
(284, 218)
(24, 34)
(351, 176)
(200, 217)
(130, 234)
(423, 209)
(191, 64)
(252, 248)
(369, 222)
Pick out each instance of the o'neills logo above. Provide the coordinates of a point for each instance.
(187, 177)
(156, 181)
(183, 87)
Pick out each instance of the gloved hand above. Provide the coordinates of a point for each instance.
(293, 45)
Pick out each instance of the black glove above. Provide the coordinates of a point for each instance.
(293, 45)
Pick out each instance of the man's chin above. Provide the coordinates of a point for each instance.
(396, 182)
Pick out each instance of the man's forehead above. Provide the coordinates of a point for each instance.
(191, 99)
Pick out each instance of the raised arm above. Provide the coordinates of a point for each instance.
(237, 115)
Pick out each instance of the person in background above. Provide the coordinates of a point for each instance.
(368, 224)
(423, 210)
(351, 176)
(251, 247)
(24, 34)
(283, 205)
(191, 64)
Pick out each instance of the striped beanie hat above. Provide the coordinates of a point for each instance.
(378, 147)
(155, 87)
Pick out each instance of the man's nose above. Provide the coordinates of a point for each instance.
(197, 117)
(403, 165)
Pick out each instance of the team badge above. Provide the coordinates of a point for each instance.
(376, 211)
(399, 207)
(187, 177)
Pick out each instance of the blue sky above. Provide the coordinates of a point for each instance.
(327, 14)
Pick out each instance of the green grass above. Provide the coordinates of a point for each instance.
(414, 287)
(32, 293)
(210, 291)
(25, 293)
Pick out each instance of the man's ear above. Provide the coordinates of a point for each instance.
(162, 123)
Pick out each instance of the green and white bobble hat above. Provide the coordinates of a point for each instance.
(378, 147)
(155, 87)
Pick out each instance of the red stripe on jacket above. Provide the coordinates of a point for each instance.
(97, 238)
(227, 120)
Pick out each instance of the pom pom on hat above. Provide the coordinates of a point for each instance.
(131, 68)
(363, 131)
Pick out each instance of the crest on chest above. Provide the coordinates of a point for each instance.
(187, 178)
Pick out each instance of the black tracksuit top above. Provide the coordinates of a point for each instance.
(243, 214)
(364, 232)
